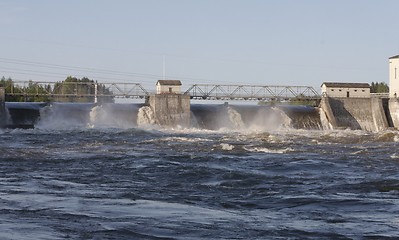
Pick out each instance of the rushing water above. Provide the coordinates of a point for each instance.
(103, 178)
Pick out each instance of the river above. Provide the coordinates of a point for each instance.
(268, 178)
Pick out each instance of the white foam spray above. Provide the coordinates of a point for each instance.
(226, 146)
(270, 119)
(282, 118)
(326, 125)
(8, 117)
(105, 116)
(235, 118)
(145, 116)
(62, 116)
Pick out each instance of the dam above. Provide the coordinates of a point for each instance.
(341, 106)
(369, 114)
(202, 116)
(168, 108)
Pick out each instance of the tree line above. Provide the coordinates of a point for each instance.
(381, 87)
(71, 87)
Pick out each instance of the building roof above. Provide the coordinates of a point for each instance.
(169, 82)
(346, 85)
(397, 56)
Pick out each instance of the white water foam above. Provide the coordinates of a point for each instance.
(226, 146)
(235, 118)
(284, 120)
(8, 117)
(270, 119)
(145, 117)
(104, 116)
(62, 116)
(324, 120)
(267, 150)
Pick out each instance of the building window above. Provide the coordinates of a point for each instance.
(355, 90)
(332, 90)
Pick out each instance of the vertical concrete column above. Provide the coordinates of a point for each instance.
(3, 116)
(171, 109)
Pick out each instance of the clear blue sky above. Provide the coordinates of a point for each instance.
(279, 42)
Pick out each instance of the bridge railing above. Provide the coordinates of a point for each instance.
(380, 95)
(251, 92)
(136, 90)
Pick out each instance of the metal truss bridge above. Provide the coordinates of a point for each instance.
(252, 92)
(136, 90)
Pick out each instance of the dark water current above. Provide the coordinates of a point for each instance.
(106, 183)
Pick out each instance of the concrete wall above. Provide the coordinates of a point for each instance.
(355, 113)
(3, 116)
(166, 89)
(171, 109)
(394, 77)
(394, 111)
(379, 115)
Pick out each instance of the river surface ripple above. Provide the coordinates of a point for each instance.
(198, 184)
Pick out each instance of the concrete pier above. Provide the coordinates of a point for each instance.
(3, 116)
(170, 109)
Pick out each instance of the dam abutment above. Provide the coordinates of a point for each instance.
(356, 113)
(170, 109)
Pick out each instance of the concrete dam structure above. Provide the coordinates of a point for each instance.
(170, 109)
(369, 114)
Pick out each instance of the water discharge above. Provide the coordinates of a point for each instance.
(235, 118)
(64, 116)
(145, 117)
(113, 116)
(241, 172)
(212, 117)
(107, 183)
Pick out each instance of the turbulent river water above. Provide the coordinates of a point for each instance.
(227, 178)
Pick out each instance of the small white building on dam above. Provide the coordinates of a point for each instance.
(345, 90)
(168, 87)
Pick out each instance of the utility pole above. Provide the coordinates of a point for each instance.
(163, 68)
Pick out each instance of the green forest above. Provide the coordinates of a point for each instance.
(73, 89)
(381, 87)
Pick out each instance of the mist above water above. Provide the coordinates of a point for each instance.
(203, 116)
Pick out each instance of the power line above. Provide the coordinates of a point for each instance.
(63, 67)
(113, 73)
